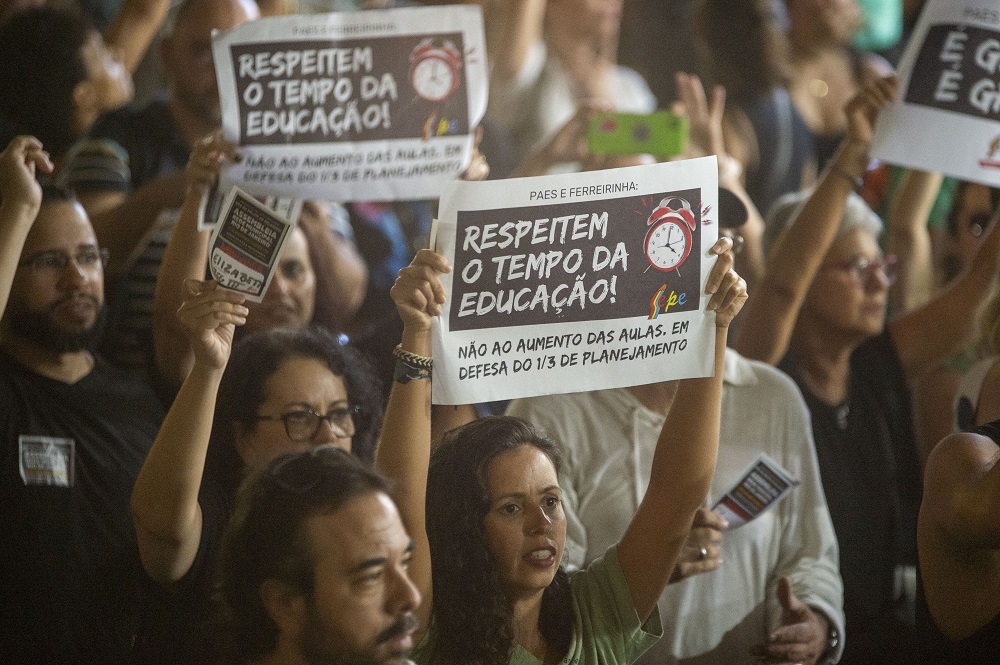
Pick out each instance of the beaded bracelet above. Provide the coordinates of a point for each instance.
(410, 366)
(412, 359)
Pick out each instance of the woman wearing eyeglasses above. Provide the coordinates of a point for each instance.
(281, 391)
(819, 314)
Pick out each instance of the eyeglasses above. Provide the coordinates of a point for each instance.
(303, 425)
(54, 262)
(863, 268)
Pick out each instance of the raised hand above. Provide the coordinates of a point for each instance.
(478, 168)
(569, 144)
(704, 116)
(700, 553)
(728, 289)
(19, 162)
(418, 292)
(803, 635)
(209, 315)
(205, 161)
(864, 107)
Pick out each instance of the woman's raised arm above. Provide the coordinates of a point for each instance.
(684, 460)
(404, 448)
(165, 505)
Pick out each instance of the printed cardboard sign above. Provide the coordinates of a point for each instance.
(575, 282)
(373, 105)
(761, 487)
(246, 245)
(950, 90)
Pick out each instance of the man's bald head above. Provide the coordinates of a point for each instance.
(187, 52)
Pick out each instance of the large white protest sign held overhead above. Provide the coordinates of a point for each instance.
(575, 282)
(948, 115)
(373, 105)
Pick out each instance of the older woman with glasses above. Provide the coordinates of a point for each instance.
(282, 391)
(819, 314)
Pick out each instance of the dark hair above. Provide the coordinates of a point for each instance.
(244, 388)
(41, 51)
(472, 611)
(266, 540)
(57, 194)
(747, 49)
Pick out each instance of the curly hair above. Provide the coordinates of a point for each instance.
(265, 539)
(472, 611)
(41, 49)
(244, 388)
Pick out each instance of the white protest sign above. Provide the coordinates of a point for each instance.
(575, 282)
(762, 486)
(246, 245)
(375, 105)
(946, 118)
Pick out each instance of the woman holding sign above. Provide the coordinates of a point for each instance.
(283, 390)
(485, 509)
(819, 314)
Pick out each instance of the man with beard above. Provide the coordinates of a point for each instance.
(73, 434)
(129, 175)
(314, 566)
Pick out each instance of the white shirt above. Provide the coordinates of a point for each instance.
(608, 438)
(536, 103)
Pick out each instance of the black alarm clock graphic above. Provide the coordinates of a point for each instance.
(670, 235)
(435, 70)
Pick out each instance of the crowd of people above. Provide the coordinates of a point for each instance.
(189, 477)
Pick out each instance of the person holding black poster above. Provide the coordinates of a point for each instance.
(820, 316)
(275, 392)
(485, 508)
(311, 285)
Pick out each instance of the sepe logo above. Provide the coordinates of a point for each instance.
(992, 159)
(661, 302)
(439, 126)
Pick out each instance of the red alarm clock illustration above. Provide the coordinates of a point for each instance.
(670, 235)
(435, 71)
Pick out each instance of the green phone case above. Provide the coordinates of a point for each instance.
(661, 134)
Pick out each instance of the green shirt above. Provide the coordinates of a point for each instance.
(606, 628)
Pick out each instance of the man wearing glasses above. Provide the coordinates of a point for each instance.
(73, 433)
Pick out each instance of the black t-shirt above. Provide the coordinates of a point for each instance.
(870, 468)
(69, 567)
(180, 623)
